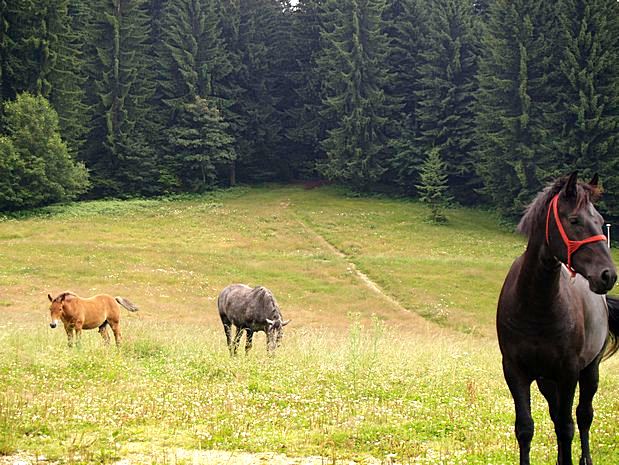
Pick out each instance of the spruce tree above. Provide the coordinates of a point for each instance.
(68, 94)
(121, 160)
(304, 112)
(445, 99)
(200, 145)
(433, 185)
(353, 67)
(406, 26)
(516, 101)
(590, 91)
(259, 127)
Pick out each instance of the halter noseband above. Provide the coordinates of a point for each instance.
(572, 246)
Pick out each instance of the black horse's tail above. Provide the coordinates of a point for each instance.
(125, 303)
(612, 345)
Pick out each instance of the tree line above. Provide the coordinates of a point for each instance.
(122, 98)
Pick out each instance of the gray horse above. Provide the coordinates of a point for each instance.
(250, 310)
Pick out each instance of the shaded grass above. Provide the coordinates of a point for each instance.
(356, 374)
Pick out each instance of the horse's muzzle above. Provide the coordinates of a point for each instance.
(53, 324)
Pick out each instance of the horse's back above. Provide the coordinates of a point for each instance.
(232, 298)
(97, 309)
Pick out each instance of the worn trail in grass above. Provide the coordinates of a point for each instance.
(407, 369)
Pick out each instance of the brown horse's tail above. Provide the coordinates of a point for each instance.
(612, 345)
(125, 303)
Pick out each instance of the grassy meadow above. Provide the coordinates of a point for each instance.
(410, 375)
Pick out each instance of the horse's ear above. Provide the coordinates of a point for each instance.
(50, 298)
(570, 188)
(594, 180)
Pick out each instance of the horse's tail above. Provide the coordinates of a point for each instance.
(613, 327)
(125, 303)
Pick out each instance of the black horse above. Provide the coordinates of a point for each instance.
(250, 310)
(554, 323)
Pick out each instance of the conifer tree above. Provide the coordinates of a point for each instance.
(194, 65)
(445, 100)
(516, 101)
(200, 145)
(590, 91)
(353, 66)
(304, 112)
(68, 93)
(121, 160)
(260, 129)
(406, 25)
(433, 185)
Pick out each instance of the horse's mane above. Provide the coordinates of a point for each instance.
(63, 295)
(265, 296)
(534, 217)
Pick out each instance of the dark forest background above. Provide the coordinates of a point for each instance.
(125, 98)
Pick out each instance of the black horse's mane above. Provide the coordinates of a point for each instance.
(534, 217)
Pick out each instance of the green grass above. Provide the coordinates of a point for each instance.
(356, 376)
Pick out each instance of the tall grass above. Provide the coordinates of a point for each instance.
(356, 376)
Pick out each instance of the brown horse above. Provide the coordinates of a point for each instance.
(77, 313)
(553, 320)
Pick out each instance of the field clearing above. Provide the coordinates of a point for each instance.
(408, 372)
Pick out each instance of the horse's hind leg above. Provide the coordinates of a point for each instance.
(104, 334)
(588, 382)
(115, 325)
(228, 331)
(520, 388)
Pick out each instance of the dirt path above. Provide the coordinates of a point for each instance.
(368, 282)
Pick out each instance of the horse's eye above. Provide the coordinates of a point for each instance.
(573, 219)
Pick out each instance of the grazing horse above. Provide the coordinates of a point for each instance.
(250, 310)
(554, 323)
(77, 313)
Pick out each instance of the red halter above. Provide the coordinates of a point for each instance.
(572, 246)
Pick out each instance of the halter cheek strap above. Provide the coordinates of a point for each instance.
(572, 246)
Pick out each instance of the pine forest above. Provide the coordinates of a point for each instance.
(141, 98)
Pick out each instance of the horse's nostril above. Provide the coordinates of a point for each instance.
(609, 277)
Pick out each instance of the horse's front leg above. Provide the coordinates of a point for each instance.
(248, 340)
(588, 381)
(564, 424)
(69, 331)
(520, 388)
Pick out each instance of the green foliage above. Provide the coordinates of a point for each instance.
(433, 186)
(120, 158)
(355, 105)
(513, 93)
(36, 166)
(589, 101)
(446, 93)
(200, 144)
